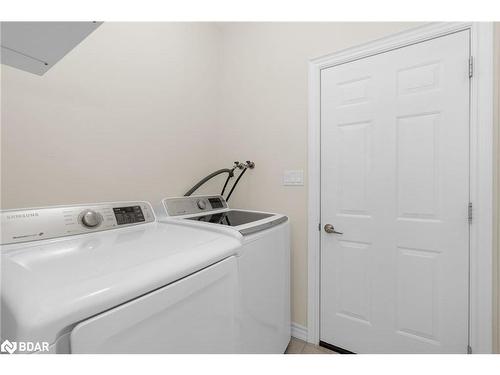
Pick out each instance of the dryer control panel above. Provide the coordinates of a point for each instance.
(31, 224)
(193, 204)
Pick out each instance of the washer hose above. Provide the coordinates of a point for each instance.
(209, 177)
(236, 183)
(229, 176)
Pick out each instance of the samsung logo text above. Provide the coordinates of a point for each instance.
(22, 216)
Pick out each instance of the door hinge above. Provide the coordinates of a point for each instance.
(469, 212)
(471, 66)
(469, 349)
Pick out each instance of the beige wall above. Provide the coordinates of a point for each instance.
(128, 114)
(134, 111)
(264, 111)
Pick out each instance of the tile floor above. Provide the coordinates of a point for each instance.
(297, 346)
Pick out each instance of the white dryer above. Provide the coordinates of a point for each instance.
(107, 278)
(263, 265)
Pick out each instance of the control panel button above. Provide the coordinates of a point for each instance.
(90, 219)
(201, 204)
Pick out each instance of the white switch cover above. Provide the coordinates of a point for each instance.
(293, 177)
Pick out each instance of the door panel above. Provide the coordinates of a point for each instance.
(395, 181)
(353, 282)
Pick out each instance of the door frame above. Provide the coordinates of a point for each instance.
(481, 169)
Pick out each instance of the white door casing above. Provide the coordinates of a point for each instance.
(480, 160)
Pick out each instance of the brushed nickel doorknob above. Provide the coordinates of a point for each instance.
(329, 228)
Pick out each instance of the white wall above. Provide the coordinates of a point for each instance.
(128, 114)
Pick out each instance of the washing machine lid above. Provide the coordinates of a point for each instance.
(232, 218)
(212, 212)
(50, 285)
(244, 221)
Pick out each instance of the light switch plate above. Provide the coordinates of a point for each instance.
(293, 177)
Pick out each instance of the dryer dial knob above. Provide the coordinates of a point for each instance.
(201, 204)
(90, 219)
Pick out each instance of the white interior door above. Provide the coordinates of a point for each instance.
(395, 182)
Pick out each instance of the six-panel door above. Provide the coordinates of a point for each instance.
(395, 181)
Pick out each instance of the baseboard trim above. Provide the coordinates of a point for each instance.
(299, 331)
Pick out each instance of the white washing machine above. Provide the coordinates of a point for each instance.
(263, 265)
(107, 278)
